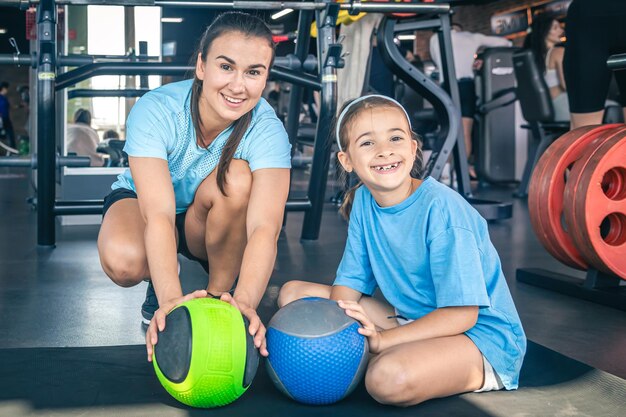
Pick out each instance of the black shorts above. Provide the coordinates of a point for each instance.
(467, 94)
(592, 36)
(183, 249)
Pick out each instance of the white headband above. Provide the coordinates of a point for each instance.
(343, 113)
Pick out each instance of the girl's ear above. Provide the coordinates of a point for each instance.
(200, 67)
(414, 147)
(344, 160)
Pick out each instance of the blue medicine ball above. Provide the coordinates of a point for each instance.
(316, 355)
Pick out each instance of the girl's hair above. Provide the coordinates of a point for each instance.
(536, 39)
(348, 118)
(249, 27)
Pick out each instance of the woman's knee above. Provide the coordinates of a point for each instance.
(126, 265)
(237, 187)
(238, 184)
(388, 382)
(291, 291)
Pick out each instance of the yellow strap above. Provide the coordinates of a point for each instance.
(345, 18)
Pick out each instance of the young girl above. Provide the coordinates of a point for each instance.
(209, 178)
(450, 325)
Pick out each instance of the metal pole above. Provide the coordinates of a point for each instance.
(118, 68)
(295, 98)
(353, 6)
(300, 204)
(617, 62)
(46, 122)
(31, 162)
(329, 59)
(66, 207)
(79, 74)
(295, 77)
(15, 59)
(25, 4)
(358, 7)
(12, 3)
(81, 92)
(18, 161)
(447, 62)
(77, 209)
(71, 60)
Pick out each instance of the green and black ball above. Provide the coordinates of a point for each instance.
(205, 357)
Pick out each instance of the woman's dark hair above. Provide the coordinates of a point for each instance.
(536, 39)
(344, 128)
(250, 27)
(82, 116)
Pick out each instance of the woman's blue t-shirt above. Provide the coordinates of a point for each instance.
(433, 250)
(160, 126)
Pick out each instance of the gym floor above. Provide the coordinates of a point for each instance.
(61, 298)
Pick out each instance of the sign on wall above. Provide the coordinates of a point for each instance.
(557, 8)
(508, 23)
(516, 21)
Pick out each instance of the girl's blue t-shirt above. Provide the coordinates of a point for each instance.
(430, 251)
(160, 126)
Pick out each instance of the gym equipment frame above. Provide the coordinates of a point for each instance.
(46, 62)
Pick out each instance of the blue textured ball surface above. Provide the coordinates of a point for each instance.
(316, 355)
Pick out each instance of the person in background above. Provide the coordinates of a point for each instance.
(112, 145)
(596, 29)
(24, 92)
(82, 139)
(464, 47)
(111, 134)
(5, 114)
(544, 40)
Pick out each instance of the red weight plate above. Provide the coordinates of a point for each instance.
(539, 194)
(597, 215)
(545, 197)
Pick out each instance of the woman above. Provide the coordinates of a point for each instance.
(176, 197)
(544, 40)
(82, 139)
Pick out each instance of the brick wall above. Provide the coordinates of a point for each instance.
(476, 18)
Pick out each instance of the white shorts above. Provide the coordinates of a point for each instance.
(492, 381)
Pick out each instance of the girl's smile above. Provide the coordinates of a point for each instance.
(387, 168)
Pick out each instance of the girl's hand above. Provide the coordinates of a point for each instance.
(256, 328)
(158, 320)
(355, 310)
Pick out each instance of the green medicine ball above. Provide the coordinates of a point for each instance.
(205, 356)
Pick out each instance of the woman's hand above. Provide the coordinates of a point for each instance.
(158, 320)
(256, 328)
(368, 329)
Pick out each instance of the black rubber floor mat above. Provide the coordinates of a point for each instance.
(117, 380)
